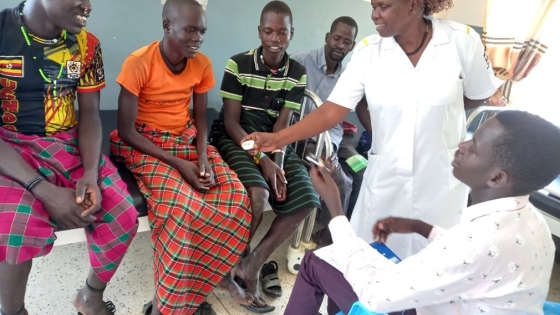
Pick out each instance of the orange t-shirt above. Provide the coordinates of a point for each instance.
(164, 97)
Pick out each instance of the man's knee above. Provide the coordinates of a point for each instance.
(259, 198)
(297, 218)
(306, 262)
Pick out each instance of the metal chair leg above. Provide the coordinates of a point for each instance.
(301, 243)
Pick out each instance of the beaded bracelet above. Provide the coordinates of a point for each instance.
(32, 183)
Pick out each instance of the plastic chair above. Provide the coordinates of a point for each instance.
(301, 241)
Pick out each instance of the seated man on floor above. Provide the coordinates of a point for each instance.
(52, 174)
(324, 67)
(260, 90)
(198, 209)
(498, 260)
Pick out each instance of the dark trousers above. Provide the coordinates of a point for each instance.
(346, 151)
(317, 278)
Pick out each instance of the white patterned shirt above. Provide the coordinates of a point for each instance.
(498, 260)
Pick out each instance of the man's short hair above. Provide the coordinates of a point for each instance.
(346, 20)
(278, 7)
(528, 151)
(170, 6)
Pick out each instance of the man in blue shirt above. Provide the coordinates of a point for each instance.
(324, 67)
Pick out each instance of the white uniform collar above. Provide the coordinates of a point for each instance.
(485, 208)
(439, 35)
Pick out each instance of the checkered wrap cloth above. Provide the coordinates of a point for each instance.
(197, 237)
(26, 230)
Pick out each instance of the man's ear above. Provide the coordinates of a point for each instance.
(166, 25)
(353, 45)
(292, 33)
(327, 36)
(499, 179)
(259, 30)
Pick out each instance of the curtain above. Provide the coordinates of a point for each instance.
(512, 36)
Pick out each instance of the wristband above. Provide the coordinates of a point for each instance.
(258, 157)
(32, 183)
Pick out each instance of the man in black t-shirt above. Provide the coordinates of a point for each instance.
(52, 175)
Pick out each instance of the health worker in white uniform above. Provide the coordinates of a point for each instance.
(419, 75)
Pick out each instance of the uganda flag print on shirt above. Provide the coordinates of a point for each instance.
(11, 66)
(40, 79)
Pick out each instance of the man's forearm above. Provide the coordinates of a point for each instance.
(14, 166)
(423, 228)
(334, 204)
(281, 125)
(201, 137)
(322, 119)
(89, 142)
(472, 104)
(200, 105)
(363, 114)
(142, 144)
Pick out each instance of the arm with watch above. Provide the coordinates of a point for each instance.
(59, 202)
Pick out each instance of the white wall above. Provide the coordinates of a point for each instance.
(472, 12)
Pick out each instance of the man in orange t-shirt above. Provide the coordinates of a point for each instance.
(198, 209)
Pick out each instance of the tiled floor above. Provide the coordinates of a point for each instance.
(54, 279)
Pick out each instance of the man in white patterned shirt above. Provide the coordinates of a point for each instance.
(498, 260)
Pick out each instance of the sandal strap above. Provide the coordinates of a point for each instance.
(111, 307)
(269, 283)
(147, 308)
(275, 264)
(20, 312)
(270, 277)
(94, 290)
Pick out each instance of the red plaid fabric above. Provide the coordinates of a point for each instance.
(26, 230)
(197, 237)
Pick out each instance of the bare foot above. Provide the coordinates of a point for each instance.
(248, 271)
(238, 294)
(90, 303)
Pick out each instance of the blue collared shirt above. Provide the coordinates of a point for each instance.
(320, 82)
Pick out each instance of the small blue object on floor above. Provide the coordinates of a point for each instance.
(359, 309)
(551, 308)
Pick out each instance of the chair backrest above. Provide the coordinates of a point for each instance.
(323, 141)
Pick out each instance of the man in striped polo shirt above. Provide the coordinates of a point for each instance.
(261, 88)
